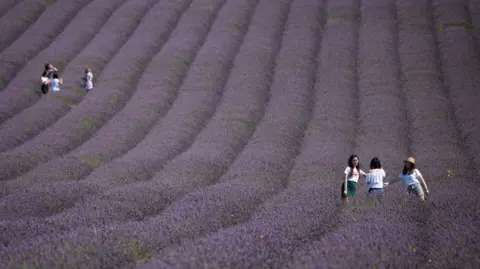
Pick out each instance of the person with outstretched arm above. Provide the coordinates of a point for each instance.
(413, 179)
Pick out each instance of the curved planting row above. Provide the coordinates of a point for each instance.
(383, 123)
(13, 25)
(98, 149)
(460, 69)
(154, 97)
(199, 166)
(96, 55)
(309, 204)
(474, 10)
(6, 5)
(22, 91)
(284, 220)
(433, 130)
(156, 149)
(364, 244)
(301, 98)
(121, 74)
(38, 36)
(453, 186)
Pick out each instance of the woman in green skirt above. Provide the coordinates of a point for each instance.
(352, 174)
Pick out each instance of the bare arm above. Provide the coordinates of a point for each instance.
(345, 185)
(60, 81)
(424, 184)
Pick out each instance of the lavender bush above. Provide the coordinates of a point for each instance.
(474, 12)
(7, 5)
(333, 124)
(37, 37)
(379, 83)
(452, 25)
(96, 55)
(13, 24)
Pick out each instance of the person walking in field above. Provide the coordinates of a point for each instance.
(375, 177)
(55, 83)
(352, 174)
(47, 76)
(49, 71)
(88, 79)
(413, 179)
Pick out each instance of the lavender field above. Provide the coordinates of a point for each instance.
(218, 131)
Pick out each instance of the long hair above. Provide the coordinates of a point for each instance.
(410, 171)
(350, 162)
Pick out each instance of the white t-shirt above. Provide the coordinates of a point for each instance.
(55, 84)
(89, 81)
(411, 179)
(353, 176)
(375, 179)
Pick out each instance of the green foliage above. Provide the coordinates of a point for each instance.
(78, 91)
(87, 123)
(235, 26)
(71, 102)
(47, 2)
(466, 26)
(138, 250)
(135, 19)
(92, 161)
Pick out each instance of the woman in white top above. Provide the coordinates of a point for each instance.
(375, 177)
(352, 174)
(88, 79)
(413, 179)
(55, 83)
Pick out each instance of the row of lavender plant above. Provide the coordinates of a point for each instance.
(7, 5)
(21, 91)
(474, 12)
(263, 11)
(220, 30)
(199, 167)
(425, 100)
(38, 36)
(96, 55)
(432, 130)
(453, 186)
(98, 149)
(121, 75)
(13, 25)
(144, 158)
(460, 64)
(235, 199)
(310, 201)
(368, 243)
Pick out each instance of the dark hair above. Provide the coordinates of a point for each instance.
(47, 66)
(350, 162)
(410, 171)
(45, 73)
(55, 75)
(375, 163)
